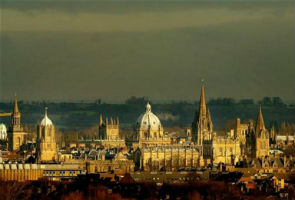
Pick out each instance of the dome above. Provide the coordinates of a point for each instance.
(3, 133)
(148, 120)
(2, 128)
(46, 121)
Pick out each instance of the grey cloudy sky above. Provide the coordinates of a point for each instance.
(73, 50)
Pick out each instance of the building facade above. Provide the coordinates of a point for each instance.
(46, 144)
(16, 134)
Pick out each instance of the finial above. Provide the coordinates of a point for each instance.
(148, 107)
(203, 81)
(46, 108)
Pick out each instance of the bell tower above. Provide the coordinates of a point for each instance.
(16, 135)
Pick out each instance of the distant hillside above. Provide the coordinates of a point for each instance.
(78, 116)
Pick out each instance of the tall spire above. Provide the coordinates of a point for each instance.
(259, 122)
(202, 108)
(15, 108)
(15, 117)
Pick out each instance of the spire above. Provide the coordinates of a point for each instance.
(259, 122)
(209, 116)
(210, 124)
(100, 120)
(15, 108)
(15, 117)
(117, 120)
(202, 108)
(112, 121)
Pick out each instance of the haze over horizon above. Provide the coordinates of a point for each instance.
(73, 50)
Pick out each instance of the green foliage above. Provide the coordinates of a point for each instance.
(69, 116)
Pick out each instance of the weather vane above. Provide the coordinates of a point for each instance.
(203, 81)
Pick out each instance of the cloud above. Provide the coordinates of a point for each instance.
(57, 20)
(158, 50)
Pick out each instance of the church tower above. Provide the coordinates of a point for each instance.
(202, 126)
(108, 131)
(16, 135)
(46, 145)
(261, 137)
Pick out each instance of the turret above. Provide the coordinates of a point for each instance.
(100, 120)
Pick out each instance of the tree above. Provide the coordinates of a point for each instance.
(266, 101)
(136, 100)
(246, 102)
(277, 101)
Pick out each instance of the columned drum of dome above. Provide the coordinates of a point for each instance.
(149, 129)
(149, 125)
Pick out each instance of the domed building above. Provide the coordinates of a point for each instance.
(156, 151)
(149, 129)
(148, 125)
(46, 145)
(3, 132)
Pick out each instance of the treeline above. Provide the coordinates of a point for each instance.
(133, 100)
(83, 115)
(266, 101)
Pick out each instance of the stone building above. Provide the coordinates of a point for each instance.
(261, 137)
(33, 172)
(108, 130)
(202, 127)
(120, 164)
(21, 172)
(109, 133)
(16, 134)
(226, 149)
(170, 157)
(46, 144)
(149, 130)
(241, 131)
(156, 151)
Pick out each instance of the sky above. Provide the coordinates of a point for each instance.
(71, 50)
